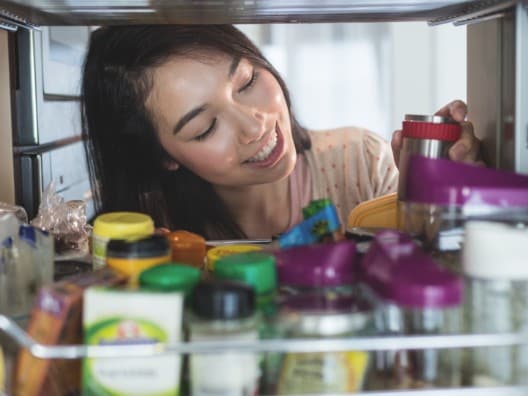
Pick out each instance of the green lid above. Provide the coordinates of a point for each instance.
(170, 277)
(257, 269)
(315, 206)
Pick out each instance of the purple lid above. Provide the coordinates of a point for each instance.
(445, 182)
(327, 264)
(399, 271)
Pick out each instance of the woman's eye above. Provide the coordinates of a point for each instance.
(207, 132)
(251, 81)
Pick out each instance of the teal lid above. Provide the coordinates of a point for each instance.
(170, 277)
(256, 269)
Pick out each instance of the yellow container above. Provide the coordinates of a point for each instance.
(117, 225)
(214, 254)
(380, 212)
(131, 257)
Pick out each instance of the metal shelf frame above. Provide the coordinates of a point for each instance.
(23, 340)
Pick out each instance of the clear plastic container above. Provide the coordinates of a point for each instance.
(495, 258)
(415, 297)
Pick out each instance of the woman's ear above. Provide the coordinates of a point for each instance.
(171, 165)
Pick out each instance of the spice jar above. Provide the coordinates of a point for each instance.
(223, 310)
(117, 225)
(442, 195)
(319, 298)
(427, 136)
(131, 257)
(187, 247)
(257, 269)
(494, 261)
(415, 297)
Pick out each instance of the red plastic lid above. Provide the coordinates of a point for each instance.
(430, 130)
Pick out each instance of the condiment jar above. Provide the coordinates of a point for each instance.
(224, 310)
(170, 277)
(427, 136)
(217, 252)
(174, 277)
(306, 315)
(319, 297)
(187, 247)
(415, 296)
(117, 225)
(494, 259)
(257, 269)
(131, 257)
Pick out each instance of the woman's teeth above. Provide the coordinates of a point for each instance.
(266, 150)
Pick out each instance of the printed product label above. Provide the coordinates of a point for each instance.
(153, 375)
(323, 372)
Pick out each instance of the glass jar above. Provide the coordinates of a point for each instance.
(224, 310)
(187, 247)
(319, 297)
(495, 265)
(442, 195)
(257, 269)
(309, 316)
(415, 297)
(131, 257)
(117, 225)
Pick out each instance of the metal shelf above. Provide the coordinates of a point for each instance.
(22, 339)
(445, 341)
(86, 12)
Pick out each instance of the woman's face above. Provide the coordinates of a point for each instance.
(224, 120)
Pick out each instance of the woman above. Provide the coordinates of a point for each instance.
(193, 126)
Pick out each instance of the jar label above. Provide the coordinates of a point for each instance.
(323, 372)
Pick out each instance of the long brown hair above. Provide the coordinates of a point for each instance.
(125, 158)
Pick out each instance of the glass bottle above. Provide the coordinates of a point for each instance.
(223, 310)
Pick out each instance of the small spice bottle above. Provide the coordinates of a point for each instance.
(131, 257)
(187, 248)
(257, 269)
(319, 298)
(224, 310)
(174, 277)
(494, 260)
(415, 296)
(117, 225)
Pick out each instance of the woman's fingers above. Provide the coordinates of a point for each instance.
(467, 148)
(396, 144)
(457, 110)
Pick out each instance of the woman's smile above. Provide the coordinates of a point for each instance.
(270, 153)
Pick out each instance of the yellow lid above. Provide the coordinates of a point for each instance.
(123, 224)
(226, 250)
(378, 212)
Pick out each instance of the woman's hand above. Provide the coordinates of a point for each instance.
(466, 149)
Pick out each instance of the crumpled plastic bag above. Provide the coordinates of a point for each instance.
(65, 220)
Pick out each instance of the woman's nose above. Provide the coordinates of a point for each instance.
(251, 124)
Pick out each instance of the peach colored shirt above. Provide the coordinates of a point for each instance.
(347, 165)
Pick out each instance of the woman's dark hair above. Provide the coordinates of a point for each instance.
(125, 159)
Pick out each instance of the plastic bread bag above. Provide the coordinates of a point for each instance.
(65, 220)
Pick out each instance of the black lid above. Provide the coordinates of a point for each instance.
(222, 299)
(154, 245)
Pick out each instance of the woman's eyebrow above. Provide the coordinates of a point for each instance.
(188, 117)
(197, 110)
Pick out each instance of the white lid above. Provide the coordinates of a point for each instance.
(495, 251)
